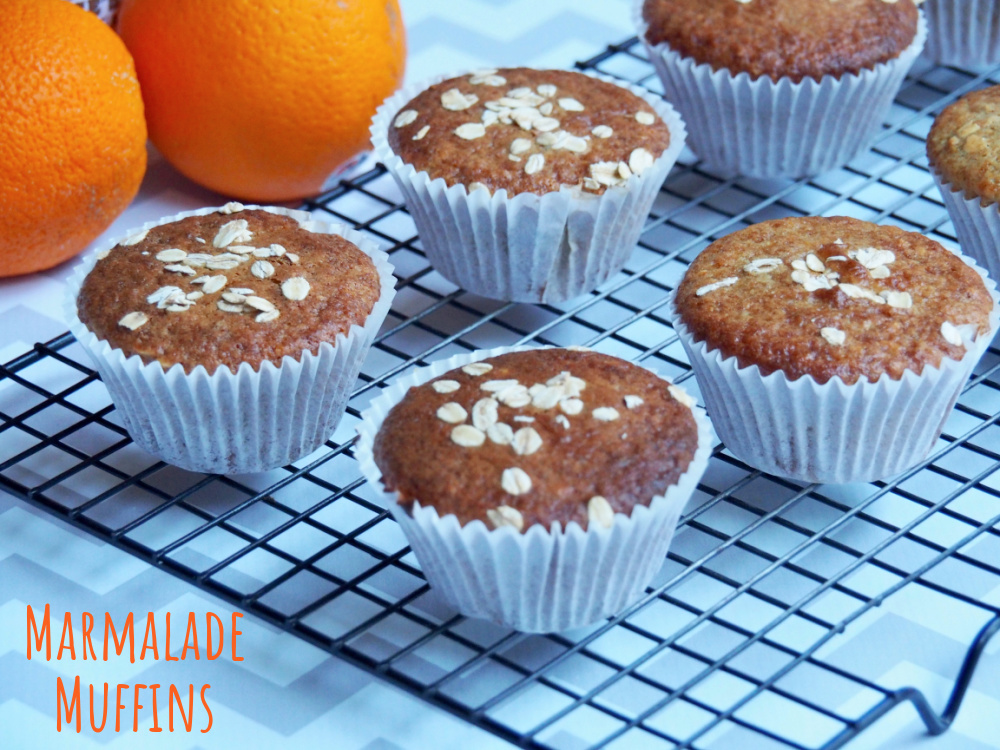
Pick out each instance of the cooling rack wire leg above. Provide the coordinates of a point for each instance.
(939, 724)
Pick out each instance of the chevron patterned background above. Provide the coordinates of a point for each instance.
(286, 694)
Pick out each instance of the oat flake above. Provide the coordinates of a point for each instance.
(833, 336)
(295, 288)
(172, 255)
(599, 511)
(504, 515)
(234, 231)
(500, 433)
(515, 481)
(445, 386)
(526, 441)
(702, 291)
(485, 413)
(640, 160)
(470, 131)
(134, 239)
(536, 162)
(214, 284)
(404, 118)
(134, 320)
(259, 303)
(951, 334)
(452, 413)
(605, 413)
(468, 436)
(262, 269)
(477, 368)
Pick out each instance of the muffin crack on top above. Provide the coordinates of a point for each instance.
(794, 39)
(221, 289)
(526, 130)
(537, 437)
(833, 297)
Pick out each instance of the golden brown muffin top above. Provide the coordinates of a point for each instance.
(225, 288)
(964, 144)
(528, 131)
(793, 39)
(537, 437)
(833, 297)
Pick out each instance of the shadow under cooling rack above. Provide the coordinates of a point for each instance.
(781, 608)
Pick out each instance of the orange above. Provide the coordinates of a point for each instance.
(263, 99)
(72, 135)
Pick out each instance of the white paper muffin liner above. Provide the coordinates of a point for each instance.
(831, 433)
(964, 33)
(527, 248)
(542, 580)
(977, 226)
(235, 423)
(763, 128)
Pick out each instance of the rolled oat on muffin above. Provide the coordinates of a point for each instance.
(555, 476)
(832, 349)
(528, 185)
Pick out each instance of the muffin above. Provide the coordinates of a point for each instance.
(229, 338)
(832, 349)
(528, 185)
(539, 488)
(781, 88)
(965, 33)
(963, 147)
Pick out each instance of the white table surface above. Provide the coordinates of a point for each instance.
(287, 694)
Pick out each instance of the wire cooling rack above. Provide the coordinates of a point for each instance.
(752, 633)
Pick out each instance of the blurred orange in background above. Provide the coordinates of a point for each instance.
(73, 143)
(263, 99)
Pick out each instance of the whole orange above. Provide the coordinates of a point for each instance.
(263, 99)
(72, 135)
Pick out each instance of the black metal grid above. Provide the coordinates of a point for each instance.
(741, 640)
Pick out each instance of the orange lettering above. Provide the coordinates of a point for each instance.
(189, 719)
(166, 646)
(63, 703)
(191, 636)
(150, 631)
(33, 628)
(127, 630)
(156, 726)
(205, 704)
(88, 625)
(208, 638)
(135, 708)
(119, 706)
(67, 630)
(232, 638)
(104, 715)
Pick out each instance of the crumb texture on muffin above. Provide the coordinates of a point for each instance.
(794, 39)
(537, 437)
(225, 288)
(964, 144)
(833, 297)
(528, 131)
